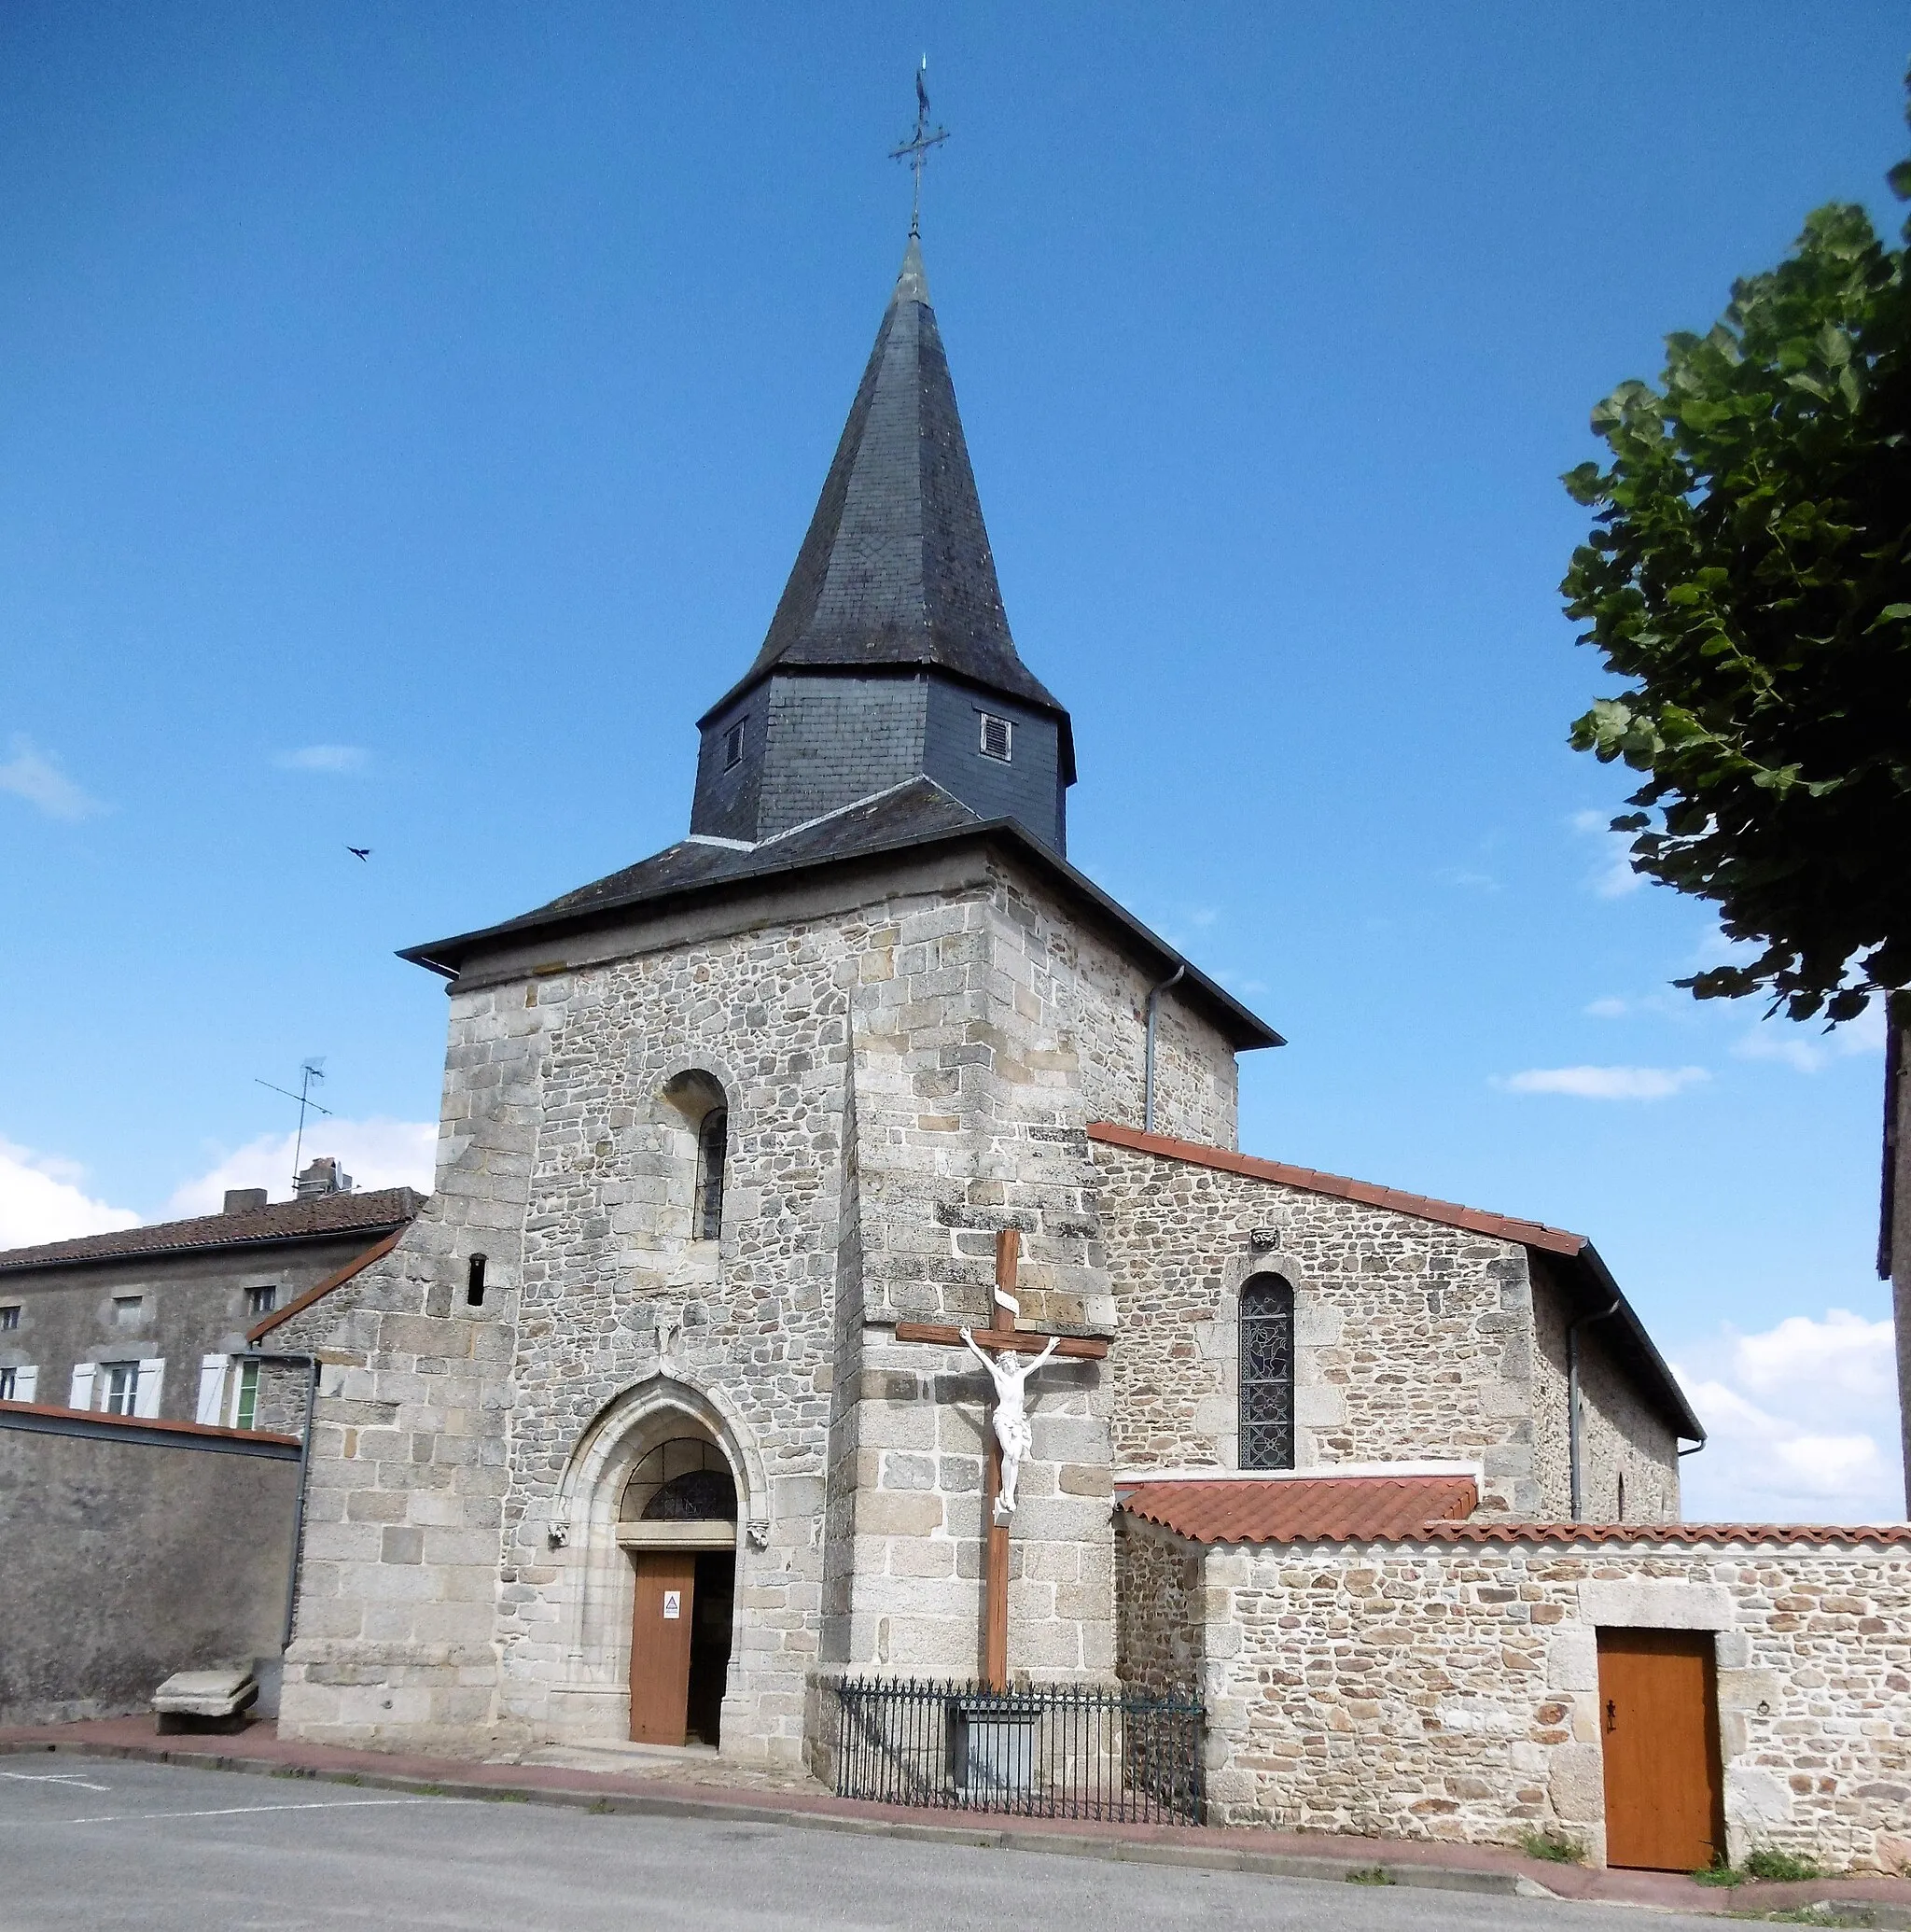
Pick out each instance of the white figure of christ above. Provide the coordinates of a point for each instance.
(1012, 1416)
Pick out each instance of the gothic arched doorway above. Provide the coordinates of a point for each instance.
(677, 1522)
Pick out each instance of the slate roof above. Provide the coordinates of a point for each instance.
(377, 1211)
(1302, 1508)
(918, 814)
(895, 569)
(1599, 1292)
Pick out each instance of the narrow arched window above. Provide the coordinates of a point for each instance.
(474, 1282)
(713, 1148)
(1267, 1373)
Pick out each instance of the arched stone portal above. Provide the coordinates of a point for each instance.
(663, 1494)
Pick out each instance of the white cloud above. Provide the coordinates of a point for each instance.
(30, 775)
(41, 1199)
(1609, 1007)
(1613, 877)
(1803, 1423)
(1605, 1083)
(322, 757)
(376, 1152)
(1467, 881)
(1808, 1053)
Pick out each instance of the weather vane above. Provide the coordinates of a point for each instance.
(915, 151)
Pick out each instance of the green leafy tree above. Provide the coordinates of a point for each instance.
(1749, 570)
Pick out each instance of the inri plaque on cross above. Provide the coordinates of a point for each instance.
(1008, 1436)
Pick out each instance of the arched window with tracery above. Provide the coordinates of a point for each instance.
(684, 1480)
(1267, 1373)
(713, 1149)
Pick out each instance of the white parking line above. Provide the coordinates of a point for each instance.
(235, 1810)
(70, 1779)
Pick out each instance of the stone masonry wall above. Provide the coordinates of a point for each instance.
(987, 1033)
(462, 1584)
(1622, 1440)
(1451, 1690)
(1414, 1341)
(398, 1588)
(1159, 1632)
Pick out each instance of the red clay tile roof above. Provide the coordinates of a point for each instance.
(1302, 1508)
(283, 1221)
(1494, 1531)
(1530, 1234)
(319, 1289)
(1599, 1294)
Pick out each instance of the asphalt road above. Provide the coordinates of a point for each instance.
(109, 1843)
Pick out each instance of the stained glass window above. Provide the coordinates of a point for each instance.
(685, 1479)
(1267, 1373)
(713, 1149)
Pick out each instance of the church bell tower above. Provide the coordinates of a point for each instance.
(889, 657)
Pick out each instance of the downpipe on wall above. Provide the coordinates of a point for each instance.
(1154, 994)
(1572, 1420)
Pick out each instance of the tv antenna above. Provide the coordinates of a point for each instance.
(311, 1069)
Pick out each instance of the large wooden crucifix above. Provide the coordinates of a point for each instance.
(1002, 1335)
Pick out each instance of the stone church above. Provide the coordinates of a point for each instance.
(1375, 1476)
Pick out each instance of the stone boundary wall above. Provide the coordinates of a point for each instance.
(122, 1562)
(1450, 1691)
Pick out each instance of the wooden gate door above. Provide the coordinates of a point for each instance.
(661, 1629)
(1659, 1725)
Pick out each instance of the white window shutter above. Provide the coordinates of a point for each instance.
(212, 1388)
(145, 1396)
(25, 1380)
(81, 1395)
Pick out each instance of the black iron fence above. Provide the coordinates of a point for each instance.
(1057, 1751)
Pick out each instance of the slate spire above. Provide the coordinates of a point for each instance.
(895, 577)
(896, 569)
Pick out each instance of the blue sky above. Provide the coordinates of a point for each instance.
(409, 415)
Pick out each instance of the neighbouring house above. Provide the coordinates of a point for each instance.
(655, 1420)
(149, 1320)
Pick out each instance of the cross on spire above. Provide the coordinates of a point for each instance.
(915, 151)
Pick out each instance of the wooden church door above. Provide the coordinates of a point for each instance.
(1659, 1726)
(661, 1628)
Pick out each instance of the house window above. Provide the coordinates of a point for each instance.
(17, 1384)
(126, 1309)
(9, 1316)
(732, 745)
(997, 738)
(263, 1299)
(1267, 1373)
(245, 1397)
(713, 1149)
(119, 1387)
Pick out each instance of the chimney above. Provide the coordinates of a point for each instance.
(244, 1201)
(323, 1176)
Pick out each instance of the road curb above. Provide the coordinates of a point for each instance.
(990, 1837)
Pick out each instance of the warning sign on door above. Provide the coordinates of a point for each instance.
(673, 1604)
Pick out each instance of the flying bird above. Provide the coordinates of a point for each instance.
(359, 852)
